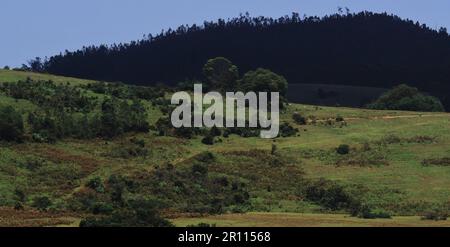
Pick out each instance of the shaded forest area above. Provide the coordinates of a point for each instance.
(362, 49)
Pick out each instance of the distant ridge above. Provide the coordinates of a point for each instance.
(362, 49)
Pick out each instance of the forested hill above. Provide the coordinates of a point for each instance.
(367, 49)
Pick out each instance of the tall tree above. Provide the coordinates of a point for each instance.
(221, 74)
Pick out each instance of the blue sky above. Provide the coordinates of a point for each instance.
(42, 28)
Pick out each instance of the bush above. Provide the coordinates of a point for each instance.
(435, 215)
(42, 203)
(205, 157)
(407, 98)
(18, 206)
(96, 184)
(287, 130)
(184, 132)
(102, 208)
(208, 140)
(128, 152)
(374, 214)
(11, 124)
(200, 169)
(340, 119)
(343, 149)
(215, 131)
(299, 119)
(329, 195)
(437, 162)
(140, 213)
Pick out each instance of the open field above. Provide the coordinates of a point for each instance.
(12, 76)
(385, 168)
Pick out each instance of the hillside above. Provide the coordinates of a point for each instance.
(14, 76)
(397, 163)
(362, 49)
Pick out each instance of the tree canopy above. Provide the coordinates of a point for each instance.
(404, 97)
(221, 74)
(363, 49)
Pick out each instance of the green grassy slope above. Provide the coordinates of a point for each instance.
(384, 164)
(13, 76)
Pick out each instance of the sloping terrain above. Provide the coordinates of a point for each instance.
(397, 164)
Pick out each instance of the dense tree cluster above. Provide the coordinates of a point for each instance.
(366, 49)
(50, 95)
(67, 111)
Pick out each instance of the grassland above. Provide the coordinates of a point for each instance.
(305, 220)
(12, 76)
(397, 183)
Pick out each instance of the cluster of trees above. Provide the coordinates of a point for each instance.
(47, 94)
(364, 49)
(114, 118)
(222, 75)
(119, 117)
(65, 111)
(404, 97)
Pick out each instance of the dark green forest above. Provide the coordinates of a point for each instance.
(363, 49)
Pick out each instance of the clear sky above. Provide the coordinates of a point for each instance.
(31, 28)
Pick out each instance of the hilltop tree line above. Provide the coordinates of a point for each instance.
(365, 49)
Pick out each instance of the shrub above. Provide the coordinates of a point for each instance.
(205, 157)
(273, 151)
(11, 124)
(96, 184)
(437, 162)
(184, 132)
(200, 169)
(223, 181)
(298, 118)
(343, 149)
(140, 213)
(208, 140)
(328, 194)
(18, 206)
(34, 164)
(364, 158)
(102, 208)
(340, 119)
(435, 215)
(215, 131)
(391, 139)
(407, 98)
(42, 203)
(139, 142)
(374, 214)
(287, 130)
(19, 195)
